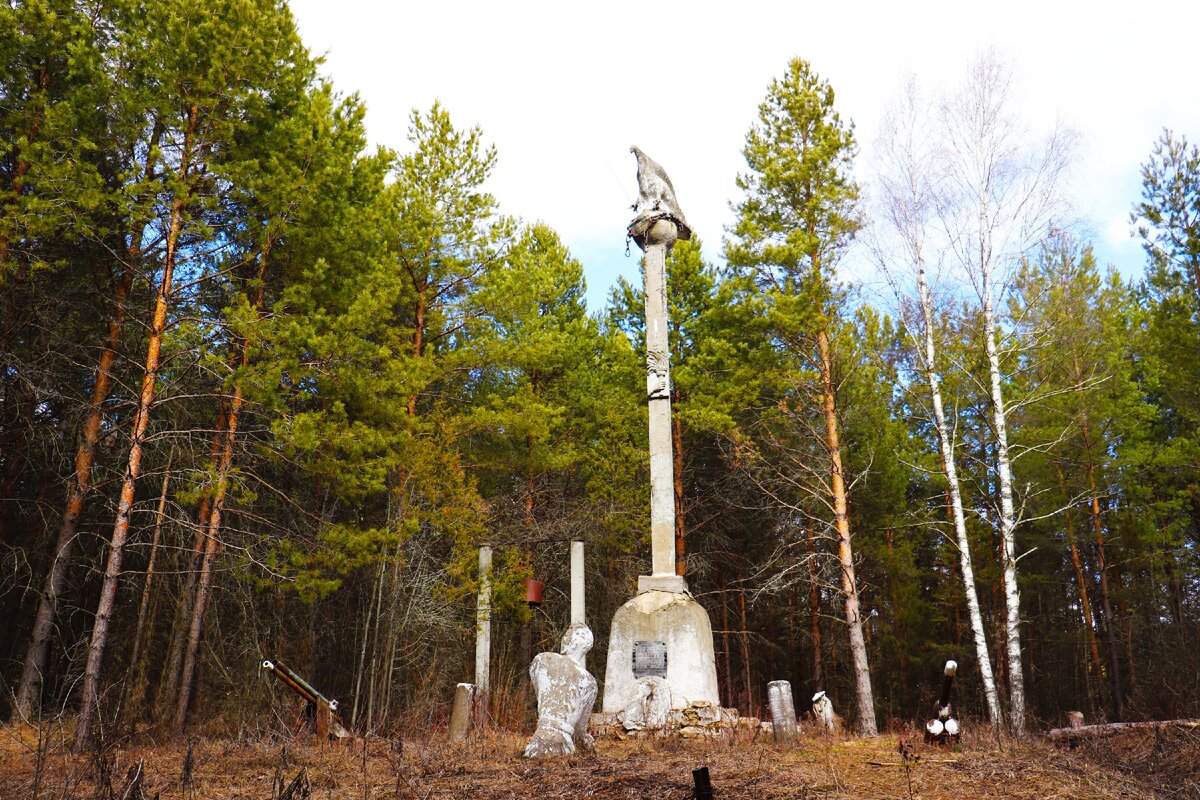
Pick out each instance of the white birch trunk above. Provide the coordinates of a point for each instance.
(909, 184)
(1006, 517)
(960, 524)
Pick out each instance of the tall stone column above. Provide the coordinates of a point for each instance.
(657, 239)
(662, 635)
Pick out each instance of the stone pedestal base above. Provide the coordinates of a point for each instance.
(696, 721)
(651, 623)
(662, 583)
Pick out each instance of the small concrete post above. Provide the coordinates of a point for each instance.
(483, 636)
(460, 712)
(783, 710)
(578, 608)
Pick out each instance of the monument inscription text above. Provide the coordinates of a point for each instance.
(649, 658)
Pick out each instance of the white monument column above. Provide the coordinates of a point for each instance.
(661, 636)
(578, 606)
(483, 636)
(656, 240)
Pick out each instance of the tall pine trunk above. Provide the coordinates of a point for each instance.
(168, 682)
(29, 690)
(134, 691)
(1097, 666)
(84, 735)
(212, 541)
(864, 697)
(212, 546)
(1114, 660)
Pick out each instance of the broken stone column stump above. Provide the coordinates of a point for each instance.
(783, 711)
(460, 712)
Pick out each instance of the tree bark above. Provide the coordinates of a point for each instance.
(29, 689)
(419, 334)
(1114, 659)
(204, 583)
(1097, 666)
(954, 501)
(168, 683)
(858, 647)
(747, 681)
(135, 683)
(84, 736)
(212, 543)
(814, 607)
(1006, 517)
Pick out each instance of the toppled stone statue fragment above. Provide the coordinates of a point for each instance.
(650, 706)
(566, 692)
(822, 708)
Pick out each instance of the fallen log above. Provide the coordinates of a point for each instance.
(1114, 728)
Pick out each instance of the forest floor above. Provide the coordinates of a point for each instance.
(1145, 765)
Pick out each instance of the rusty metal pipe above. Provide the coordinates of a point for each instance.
(291, 673)
(286, 679)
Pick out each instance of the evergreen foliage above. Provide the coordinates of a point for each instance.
(342, 369)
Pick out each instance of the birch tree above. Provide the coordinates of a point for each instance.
(908, 185)
(1000, 199)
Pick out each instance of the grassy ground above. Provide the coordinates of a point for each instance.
(35, 763)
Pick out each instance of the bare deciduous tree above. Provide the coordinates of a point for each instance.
(908, 175)
(1000, 197)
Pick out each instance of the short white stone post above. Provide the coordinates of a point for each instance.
(578, 608)
(783, 710)
(483, 636)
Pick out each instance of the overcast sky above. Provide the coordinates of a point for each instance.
(563, 89)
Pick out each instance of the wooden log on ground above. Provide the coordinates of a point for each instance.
(1114, 728)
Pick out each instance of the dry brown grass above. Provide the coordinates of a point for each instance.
(35, 764)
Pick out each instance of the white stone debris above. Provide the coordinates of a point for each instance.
(823, 711)
(650, 706)
(566, 692)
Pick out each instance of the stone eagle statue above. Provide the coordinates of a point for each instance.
(656, 195)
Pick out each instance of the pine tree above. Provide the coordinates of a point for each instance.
(211, 73)
(798, 215)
